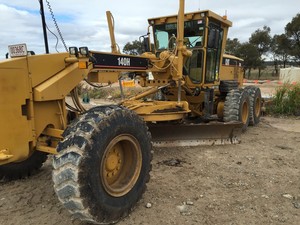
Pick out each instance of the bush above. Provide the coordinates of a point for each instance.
(286, 100)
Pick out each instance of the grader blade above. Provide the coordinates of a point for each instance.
(213, 133)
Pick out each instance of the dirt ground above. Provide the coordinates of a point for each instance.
(255, 182)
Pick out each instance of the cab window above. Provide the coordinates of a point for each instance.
(214, 48)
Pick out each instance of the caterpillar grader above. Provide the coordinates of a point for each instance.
(102, 156)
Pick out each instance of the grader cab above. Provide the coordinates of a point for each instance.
(102, 158)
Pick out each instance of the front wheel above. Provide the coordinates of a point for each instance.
(237, 107)
(103, 164)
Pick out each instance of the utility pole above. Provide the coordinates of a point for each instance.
(44, 26)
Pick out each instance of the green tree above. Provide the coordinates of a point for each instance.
(261, 39)
(133, 48)
(232, 46)
(249, 53)
(281, 49)
(292, 30)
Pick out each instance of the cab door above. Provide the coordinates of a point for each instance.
(213, 53)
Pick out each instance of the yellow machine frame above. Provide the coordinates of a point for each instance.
(35, 87)
(103, 155)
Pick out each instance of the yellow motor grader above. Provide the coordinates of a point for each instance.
(102, 156)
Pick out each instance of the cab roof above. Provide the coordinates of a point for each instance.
(191, 15)
(232, 57)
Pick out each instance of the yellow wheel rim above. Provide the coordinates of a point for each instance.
(245, 112)
(121, 165)
(257, 107)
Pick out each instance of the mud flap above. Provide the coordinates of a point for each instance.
(213, 133)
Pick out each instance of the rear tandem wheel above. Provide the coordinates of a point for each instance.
(103, 164)
(255, 104)
(237, 107)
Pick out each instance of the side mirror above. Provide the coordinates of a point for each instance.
(213, 38)
(146, 44)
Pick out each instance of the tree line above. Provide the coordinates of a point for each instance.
(281, 48)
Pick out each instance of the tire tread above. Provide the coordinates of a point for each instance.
(71, 153)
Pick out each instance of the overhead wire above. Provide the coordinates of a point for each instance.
(74, 93)
(56, 25)
(56, 45)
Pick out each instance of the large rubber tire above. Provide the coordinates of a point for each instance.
(237, 107)
(103, 164)
(255, 104)
(228, 85)
(19, 170)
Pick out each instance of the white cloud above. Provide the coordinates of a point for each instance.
(83, 23)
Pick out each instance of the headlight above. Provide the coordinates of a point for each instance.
(84, 51)
(73, 51)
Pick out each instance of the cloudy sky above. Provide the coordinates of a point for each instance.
(83, 23)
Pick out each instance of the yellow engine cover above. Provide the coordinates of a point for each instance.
(16, 133)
